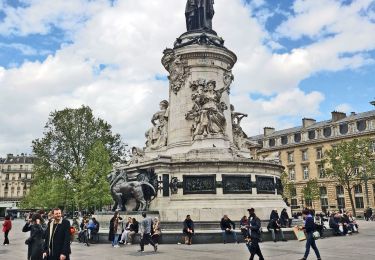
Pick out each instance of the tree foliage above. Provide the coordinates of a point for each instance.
(289, 187)
(349, 164)
(311, 190)
(76, 148)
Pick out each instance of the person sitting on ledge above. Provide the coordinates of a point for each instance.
(226, 227)
(188, 230)
(274, 226)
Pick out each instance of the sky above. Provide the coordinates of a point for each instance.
(302, 58)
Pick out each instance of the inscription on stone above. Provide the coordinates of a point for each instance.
(199, 184)
(236, 184)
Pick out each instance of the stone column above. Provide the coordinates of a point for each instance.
(187, 64)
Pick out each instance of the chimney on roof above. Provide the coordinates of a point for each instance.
(306, 122)
(9, 155)
(336, 116)
(268, 130)
(352, 113)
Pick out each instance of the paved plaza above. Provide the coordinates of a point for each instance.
(358, 246)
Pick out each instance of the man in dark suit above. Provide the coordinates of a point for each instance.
(57, 242)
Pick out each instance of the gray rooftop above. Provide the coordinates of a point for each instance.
(348, 118)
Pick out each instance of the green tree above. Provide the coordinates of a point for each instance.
(311, 190)
(94, 191)
(349, 164)
(289, 187)
(63, 155)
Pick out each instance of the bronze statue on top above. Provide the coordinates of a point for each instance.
(199, 14)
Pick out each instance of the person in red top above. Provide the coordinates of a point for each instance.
(7, 226)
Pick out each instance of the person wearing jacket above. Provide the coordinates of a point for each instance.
(226, 227)
(7, 226)
(254, 234)
(309, 229)
(188, 230)
(36, 240)
(134, 228)
(57, 242)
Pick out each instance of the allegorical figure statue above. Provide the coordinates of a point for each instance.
(208, 110)
(199, 14)
(157, 135)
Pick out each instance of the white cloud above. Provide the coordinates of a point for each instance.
(346, 108)
(128, 39)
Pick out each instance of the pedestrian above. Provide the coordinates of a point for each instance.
(156, 230)
(188, 230)
(309, 228)
(146, 226)
(57, 242)
(226, 226)
(36, 240)
(7, 226)
(285, 221)
(115, 229)
(254, 235)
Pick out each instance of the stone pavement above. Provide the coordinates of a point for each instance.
(358, 246)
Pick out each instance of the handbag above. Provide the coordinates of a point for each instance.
(316, 235)
(28, 241)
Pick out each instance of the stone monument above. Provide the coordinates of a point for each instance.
(196, 147)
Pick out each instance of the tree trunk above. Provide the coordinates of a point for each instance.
(351, 200)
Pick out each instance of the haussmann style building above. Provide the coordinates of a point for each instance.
(15, 180)
(301, 149)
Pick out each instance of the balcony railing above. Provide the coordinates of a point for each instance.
(17, 170)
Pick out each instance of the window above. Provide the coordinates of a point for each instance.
(359, 202)
(323, 191)
(361, 125)
(373, 146)
(297, 137)
(271, 142)
(323, 197)
(304, 155)
(19, 176)
(305, 172)
(343, 129)
(321, 172)
(308, 203)
(311, 134)
(356, 171)
(340, 197)
(292, 174)
(293, 203)
(290, 157)
(319, 153)
(9, 168)
(21, 166)
(284, 139)
(327, 132)
(358, 189)
(293, 192)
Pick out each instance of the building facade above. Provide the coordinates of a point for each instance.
(301, 149)
(16, 173)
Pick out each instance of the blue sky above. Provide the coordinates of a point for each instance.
(302, 58)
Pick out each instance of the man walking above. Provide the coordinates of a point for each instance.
(309, 228)
(57, 242)
(254, 234)
(146, 226)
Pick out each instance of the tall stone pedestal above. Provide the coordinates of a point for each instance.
(196, 146)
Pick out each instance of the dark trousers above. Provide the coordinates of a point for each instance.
(6, 239)
(310, 242)
(146, 239)
(254, 249)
